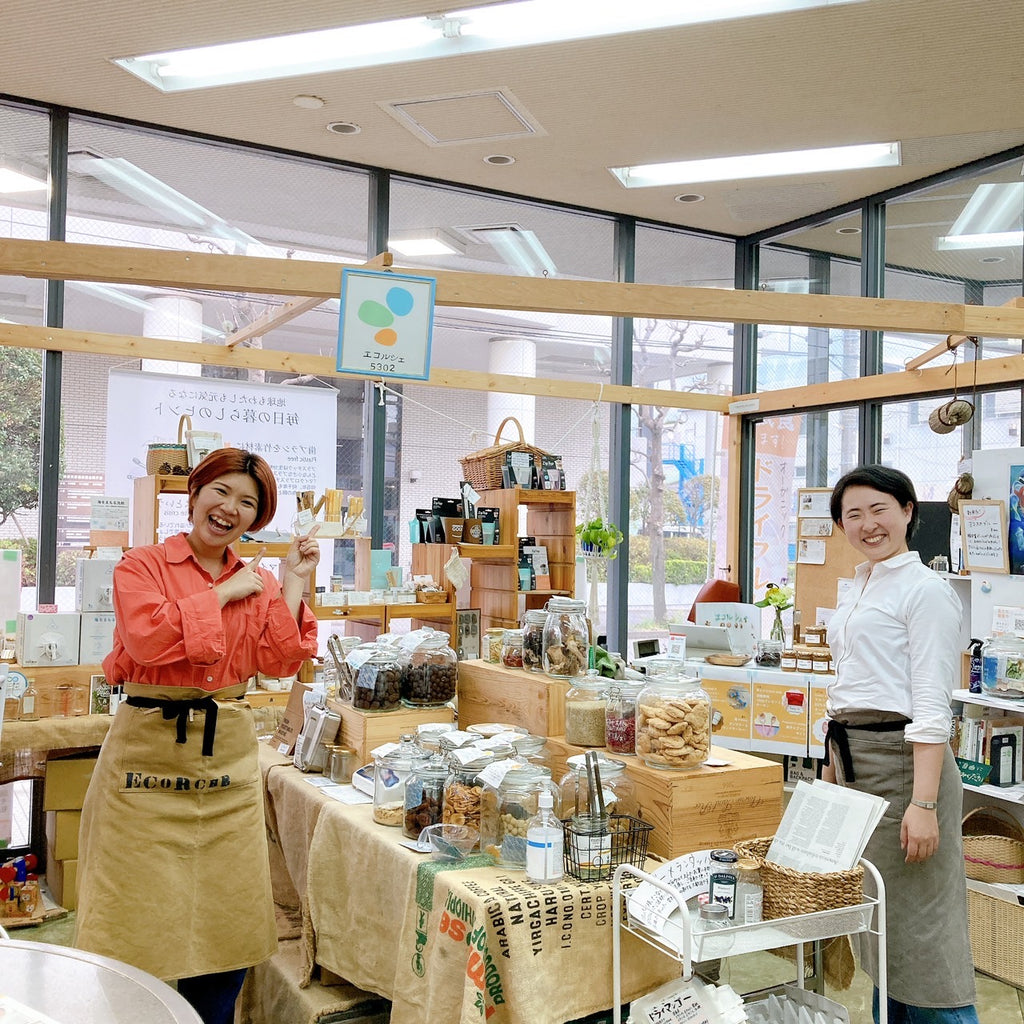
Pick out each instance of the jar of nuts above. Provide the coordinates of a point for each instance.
(566, 638)
(673, 722)
(463, 789)
(506, 810)
(533, 639)
(433, 673)
(391, 771)
(377, 684)
(424, 796)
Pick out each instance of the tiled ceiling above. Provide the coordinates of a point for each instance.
(944, 77)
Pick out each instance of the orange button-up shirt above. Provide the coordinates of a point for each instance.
(172, 631)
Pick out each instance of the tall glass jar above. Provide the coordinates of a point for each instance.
(507, 809)
(616, 787)
(585, 711)
(566, 638)
(353, 653)
(1002, 666)
(432, 679)
(390, 775)
(378, 679)
(463, 789)
(531, 748)
(533, 639)
(620, 716)
(673, 722)
(424, 796)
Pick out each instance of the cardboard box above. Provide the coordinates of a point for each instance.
(283, 740)
(62, 878)
(97, 637)
(47, 638)
(67, 779)
(94, 584)
(62, 834)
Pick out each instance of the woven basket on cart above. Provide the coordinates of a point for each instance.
(170, 459)
(788, 892)
(993, 846)
(483, 468)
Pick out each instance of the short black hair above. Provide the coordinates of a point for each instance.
(881, 478)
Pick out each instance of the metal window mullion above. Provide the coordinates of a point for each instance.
(744, 381)
(872, 281)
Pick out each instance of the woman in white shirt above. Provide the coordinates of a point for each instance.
(895, 646)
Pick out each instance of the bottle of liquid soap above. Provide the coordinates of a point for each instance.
(544, 843)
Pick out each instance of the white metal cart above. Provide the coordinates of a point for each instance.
(675, 937)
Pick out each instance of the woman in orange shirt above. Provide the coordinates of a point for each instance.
(174, 875)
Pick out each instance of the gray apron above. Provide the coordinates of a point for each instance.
(929, 949)
(174, 873)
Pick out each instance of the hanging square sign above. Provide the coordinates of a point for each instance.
(386, 324)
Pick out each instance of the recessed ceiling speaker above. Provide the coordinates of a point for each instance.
(344, 128)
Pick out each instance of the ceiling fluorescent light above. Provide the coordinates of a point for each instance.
(520, 248)
(468, 30)
(18, 177)
(156, 195)
(760, 165)
(428, 242)
(989, 240)
(992, 218)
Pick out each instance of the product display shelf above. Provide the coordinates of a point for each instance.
(494, 581)
(493, 693)
(1008, 794)
(676, 938)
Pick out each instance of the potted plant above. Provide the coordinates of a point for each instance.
(599, 537)
(779, 598)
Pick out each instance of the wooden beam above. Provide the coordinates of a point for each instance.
(273, 318)
(134, 347)
(954, 341)
(211, 271)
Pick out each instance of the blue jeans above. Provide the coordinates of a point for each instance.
(901, 1013)
(213, 996)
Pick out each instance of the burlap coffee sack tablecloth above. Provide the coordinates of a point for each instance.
(464, 945)
(26, 746)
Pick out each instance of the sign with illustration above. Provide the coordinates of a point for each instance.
(1015, 536)
(386, 324)
(743, 621)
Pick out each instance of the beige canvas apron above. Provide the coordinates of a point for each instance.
(174, 875)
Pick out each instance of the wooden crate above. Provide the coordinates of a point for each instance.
(701, 809)
(365, 730)
(493, 693)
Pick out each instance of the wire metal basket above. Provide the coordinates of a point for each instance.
(595, 845)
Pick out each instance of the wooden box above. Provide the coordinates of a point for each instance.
(493, 693)
(365, 730)
(700, 809)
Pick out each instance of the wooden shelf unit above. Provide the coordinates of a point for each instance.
(494, 578)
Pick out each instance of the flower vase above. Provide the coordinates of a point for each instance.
(778, 630)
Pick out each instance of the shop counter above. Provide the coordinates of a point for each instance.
(460, 944)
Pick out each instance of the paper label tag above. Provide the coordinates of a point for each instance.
(496, 771)
(384, 749)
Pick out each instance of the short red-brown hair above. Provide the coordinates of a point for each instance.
(222, 461)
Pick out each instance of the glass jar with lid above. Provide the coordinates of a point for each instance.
(662, 667)
(432, 678)
(620, 716)
(673, 722)
(533, 639)
(429, 735)
(616, 786)
(378, 679)
(391, 772)
(424, 795)
(1002, 666)
(506, 809)
(463, 788)
(566, 638)
(490, 649)
(512, 648)
(343, 650)
(531, 748)
(585, 711)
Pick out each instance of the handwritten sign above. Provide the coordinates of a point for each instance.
(973, 773)
(983, 528)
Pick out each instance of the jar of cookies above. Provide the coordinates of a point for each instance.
(463, 789)
(507, 808)
(424, 796)
(391, 771)
(566, 638)
(378, 680)
(673, 722)
(433, 673)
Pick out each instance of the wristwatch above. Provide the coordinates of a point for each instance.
(928, 805)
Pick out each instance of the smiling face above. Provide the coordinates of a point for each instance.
(222, 511)
(875, 523)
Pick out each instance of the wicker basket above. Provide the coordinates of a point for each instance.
(995, 927)
(170, 459)
(483, 468)
(431, 597)
(788, 892)
(993, 846)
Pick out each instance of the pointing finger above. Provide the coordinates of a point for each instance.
(313, 532)
(254, 564)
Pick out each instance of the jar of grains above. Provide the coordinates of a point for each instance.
(673, 722)
(390, 775)
(533, 639)
(585, 711)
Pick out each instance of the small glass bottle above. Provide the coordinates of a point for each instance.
(585, 711)
(533, 639)
(28, 708)
(620, 716)
(391, 773)
(491, 651)
(749, 892)
(566, 638)
(341, 762)
(545, 843)
(424, 796)
(512, 648)
(673, 722)
(722, 881)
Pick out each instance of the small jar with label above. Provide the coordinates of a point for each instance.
(533, 639)
(512, 648)
(620, 716)
(491, 649)
(749, 892)
(814, 636)
(424, 796)
(821, 662)
(787, 660)
(391, 773)
(722, 880)
(673, 722)
(804, 661)
(585, 711)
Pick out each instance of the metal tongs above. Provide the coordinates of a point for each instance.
(344, 676)
(595, 794)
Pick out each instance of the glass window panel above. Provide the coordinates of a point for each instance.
(909, 444)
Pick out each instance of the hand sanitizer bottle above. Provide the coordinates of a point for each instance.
(544, 843)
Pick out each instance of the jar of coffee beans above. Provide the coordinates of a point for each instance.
(378, 680)
(433, 673)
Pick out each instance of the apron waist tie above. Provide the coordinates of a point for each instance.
(180, 710)
(836, 731)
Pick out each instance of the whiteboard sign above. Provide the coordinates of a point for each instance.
(385, 324)
(983, 528)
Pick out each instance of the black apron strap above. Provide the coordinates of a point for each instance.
(837, 731)
(180, 710)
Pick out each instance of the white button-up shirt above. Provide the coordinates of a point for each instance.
(895, 641)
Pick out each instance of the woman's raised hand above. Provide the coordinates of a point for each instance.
(244, 582)
(303, 554)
